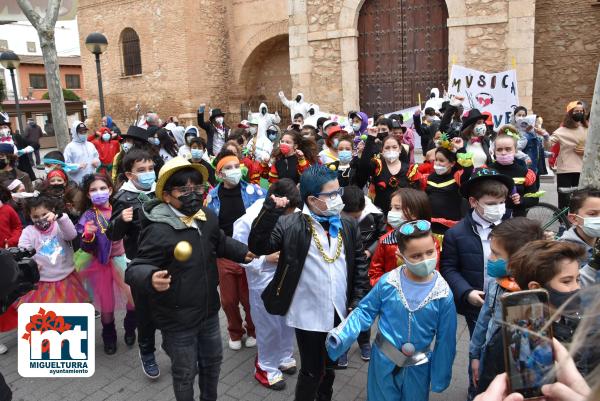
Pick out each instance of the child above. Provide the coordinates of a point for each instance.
(407, 204)
(486, 349)
(184, 151)
(414, 306)
(104, 275)
(584, 215)
(81, 152)
(107, 144)
(8, 167)
(199, 155)
(294, 155)
(330, 153)
(182, 294)
(10, 224)
(347, 164)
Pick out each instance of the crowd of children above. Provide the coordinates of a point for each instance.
(319, 231)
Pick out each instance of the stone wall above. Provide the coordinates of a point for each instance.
(567, 52)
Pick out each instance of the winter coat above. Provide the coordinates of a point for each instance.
(24, 163)
(80, 152)
(295, 107)
(211, 131)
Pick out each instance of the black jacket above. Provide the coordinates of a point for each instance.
(211, 131)
(291, 236)
(128, 232)
(372, 227)
(192, 296)
(24, 163)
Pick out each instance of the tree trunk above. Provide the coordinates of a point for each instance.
(591, 157)
(57, 102)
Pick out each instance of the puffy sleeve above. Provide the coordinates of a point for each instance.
(444, 351)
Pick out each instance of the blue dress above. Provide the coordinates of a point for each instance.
(434, 320)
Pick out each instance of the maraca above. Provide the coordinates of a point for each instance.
(182, 251)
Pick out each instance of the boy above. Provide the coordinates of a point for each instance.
(81, 152)
(182, 294)
(315, 283)
(414, 305)
(584, 214)
(125, 223)
(486, 349)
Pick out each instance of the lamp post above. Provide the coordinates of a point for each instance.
(97, 44)
(11, 61)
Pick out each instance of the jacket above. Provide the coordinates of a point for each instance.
(372, 225)
(77, 152)
(192, 296)
(290, 234)
(250, 194)
(211, 131)
(10, 226)
(128, 196)
(589, 275)
(24, 163)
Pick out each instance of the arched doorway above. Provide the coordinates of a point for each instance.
(402, 51)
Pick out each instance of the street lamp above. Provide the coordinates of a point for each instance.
(11, 61)
(97, 44)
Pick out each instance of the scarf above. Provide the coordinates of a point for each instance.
(335, 223)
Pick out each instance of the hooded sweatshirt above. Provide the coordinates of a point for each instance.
(80, 151)
(588, 273)
(296, 107)
(185, 151)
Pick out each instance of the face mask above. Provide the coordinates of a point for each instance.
(480, 130)
(336, 142)
(3, 164)
(519, 120)
(126, 147)
(285, 148)
(506, 160)
(493, 213)
(252, 130)
(106, 137)
(219, 120)
(146, 179)
(334, 207)
(42, 224)
(154, 141)
(391, 156)
(579, 117)
(263, 111)
(440, 170)
(81, 137)
(190, 203)
(591, 226)
(559, 298)
(395, 218)
(298, 99)
(423, 268)
(58, 187)
(99, 198)
(197, 154)
(345, 156)
(356, 127)
(4, 132)
(233, 176)
(496, 268)
(272, 135)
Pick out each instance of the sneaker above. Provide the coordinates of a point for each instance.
(342, 363)
(150, 366)
(288, 371)
(277, 386)
(3, 349)
(235, 345)
(365, 352)
(250, 342)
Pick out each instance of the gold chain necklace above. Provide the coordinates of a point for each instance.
(325, 257)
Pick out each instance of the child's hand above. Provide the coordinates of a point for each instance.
(161, 280)
(516, 198)
(458, 143)
(280, 203)
(249, 257)
(89, 229)
(50, 217)
(300, 154)
(127, 215)
(475, 371)
(373, 131)
(273, 258)
(475, 298)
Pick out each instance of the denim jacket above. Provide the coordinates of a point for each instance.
(250, 194)
(486, 324)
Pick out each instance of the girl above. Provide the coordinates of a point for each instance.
(107, 144)
(10, 224)
(330, 153)
(8, 167)
(347, 164)
(199, 156)
(406, 204)
(505, 148)
(294, 155)
(537, 139)
(387, 171)
(168, 147)
(415, 306)
(104, 275)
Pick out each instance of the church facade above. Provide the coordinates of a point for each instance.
(372, 55)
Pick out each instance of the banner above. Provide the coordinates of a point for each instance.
(496, 93)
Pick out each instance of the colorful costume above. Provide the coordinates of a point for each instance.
(399, 325)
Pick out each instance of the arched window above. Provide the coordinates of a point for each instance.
(130, 50)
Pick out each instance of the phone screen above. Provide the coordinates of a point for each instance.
(528, 348)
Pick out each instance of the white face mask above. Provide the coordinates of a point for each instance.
(252, 130)
(395, 218)
(591, 226)
(356, 127)
(232, 176)
(480, 130)
(423, 268)
(219, 120)
(440, 170)
(493, 213)
(5, 132)
(391, 156)
(334, 206)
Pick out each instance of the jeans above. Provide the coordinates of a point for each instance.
(198, 350)
(145, 325)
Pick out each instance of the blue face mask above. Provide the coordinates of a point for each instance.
(145, 180)
(345, 156)
(497, 268)
(423, 268)
(197, 154)
(154, 141)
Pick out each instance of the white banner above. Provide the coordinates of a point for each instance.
(496, 93)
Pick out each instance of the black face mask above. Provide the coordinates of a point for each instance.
(298, 98)
(263, 111)
(57, 187)
(382, 135)
(579, 117)
(190, 203)
(559, 298)
(2, 163)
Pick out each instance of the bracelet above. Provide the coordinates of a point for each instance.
(87, 241)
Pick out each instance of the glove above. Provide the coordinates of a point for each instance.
(26, 150)
(201, 109)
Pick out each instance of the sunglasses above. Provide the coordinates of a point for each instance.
(412, 227)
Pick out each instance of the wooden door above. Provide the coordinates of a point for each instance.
(402, 51)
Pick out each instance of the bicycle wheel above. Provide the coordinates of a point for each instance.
(545, 212)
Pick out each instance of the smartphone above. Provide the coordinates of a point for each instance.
(528, 353)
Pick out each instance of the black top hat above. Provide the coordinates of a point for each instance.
(444, 106)
(136, 132)
(216, 113)
(471, 118)
(484, 173)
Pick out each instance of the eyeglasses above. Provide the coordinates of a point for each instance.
(411, 227)
(200, 189)
(333, 194)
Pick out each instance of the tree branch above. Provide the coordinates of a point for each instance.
(52, 12)
(31, 15)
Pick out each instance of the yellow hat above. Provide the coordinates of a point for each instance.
(173, 166)
(573, 104)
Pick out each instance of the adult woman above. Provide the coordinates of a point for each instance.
(536, 138)
(571, 136)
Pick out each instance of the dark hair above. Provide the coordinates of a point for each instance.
(238, 148)
(298, 115)
(223, 153)
(198, 141)
(539, 261)
(429, 111)
(181, 178)
(490, 187)
(237, 135)
(288, 188)
(404, 156)
(519, 108)
(516, 232)
(135, 155)
(87, 181)
(56, 155)
(307, 146)
(414, 203)
(403, 240)
(37, 201)
(347, 138)
(397, 117)
(385, 121)
(167, 142)
(5, 194)
(579, 197)
(448, 154)
(354, 199)
(321, 121)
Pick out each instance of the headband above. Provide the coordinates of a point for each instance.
(13, 185)
(56, 172)
(226, 160)
(63, 165)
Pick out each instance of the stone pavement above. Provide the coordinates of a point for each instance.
(119, 377)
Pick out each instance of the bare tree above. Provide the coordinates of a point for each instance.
(44, 26)
(591, 157)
